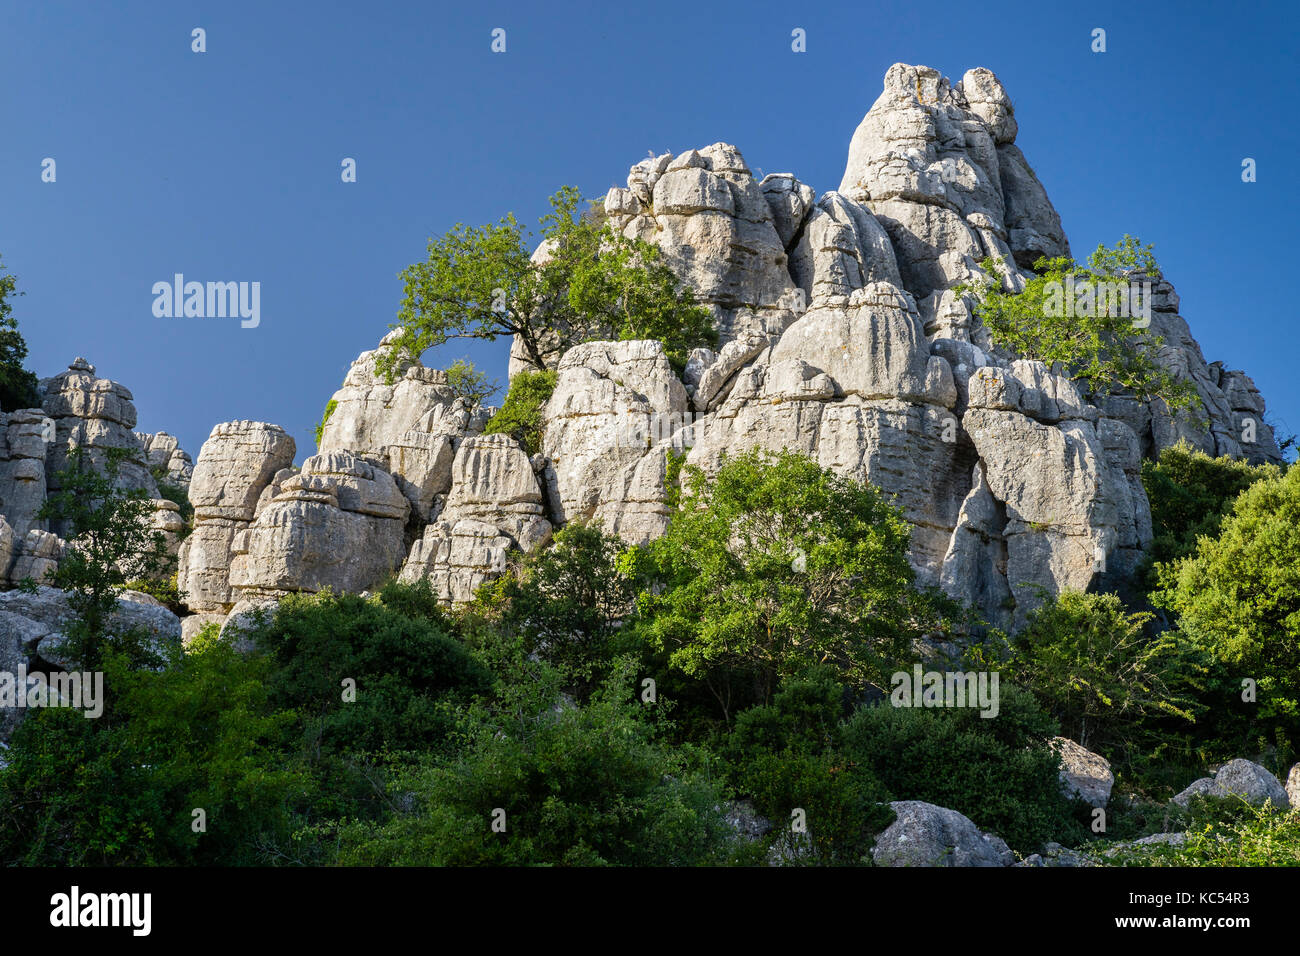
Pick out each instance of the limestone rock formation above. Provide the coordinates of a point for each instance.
(841, 336)
(1239, 778)
(236, 465)
(398, 424)
(926, 835)
(612, 416)
(1084, 774)
(78, 410)
(495, 506)
(717, 229)
(339, 523)
(163, 452)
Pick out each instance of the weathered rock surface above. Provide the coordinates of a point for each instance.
(926, 835)
(718, 230)
(615, 411)
(854, 349)
(409, 426)
(339, 523)
(1084, 774)
(495, 506)
(236, 465)
(163, 451)
(1293, 786)
(1239, 778)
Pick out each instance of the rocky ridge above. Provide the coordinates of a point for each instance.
(841, 337)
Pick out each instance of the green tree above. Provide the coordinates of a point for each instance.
(469, 383)
(590, 282)
(567, 601)
(111, 542)
(1095, 669)
(774, 565)
(18, 386)
(1100, 346)
(1238, 594)
(1190, 492)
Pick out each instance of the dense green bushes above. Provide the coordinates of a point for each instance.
(198, 735)
(604, 704)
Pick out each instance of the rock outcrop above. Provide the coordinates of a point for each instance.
(78, 410)
(923, 834)
(495, 506)
(1084, 774)
(164, 454)
(237, 466)
(1239, 778)
(843, 336)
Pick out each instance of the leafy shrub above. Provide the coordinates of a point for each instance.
(1092, 665)
(1190, 492)
(121, 789)
(1238, 595)
(566, 601)
(579, 786)
(998, 771)
(18, 385)
(324, 420)
(520, 415)
(469, 383)
(1242, 836)
(786, 756)
(402, 665)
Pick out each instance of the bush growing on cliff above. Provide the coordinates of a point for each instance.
(325, 420)
(591, 283)
(520, 415)
(469, 383)
(1095, 337)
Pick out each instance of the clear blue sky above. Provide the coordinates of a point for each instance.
(225, 165)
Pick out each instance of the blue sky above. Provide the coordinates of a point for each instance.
(225, 165)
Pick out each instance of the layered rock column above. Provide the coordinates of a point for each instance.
(236, 465)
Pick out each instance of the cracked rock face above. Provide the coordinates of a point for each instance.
(610, 421)
(718, 230)
(495, 506)
(855, 350)
(236, 465)
(338, 523)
